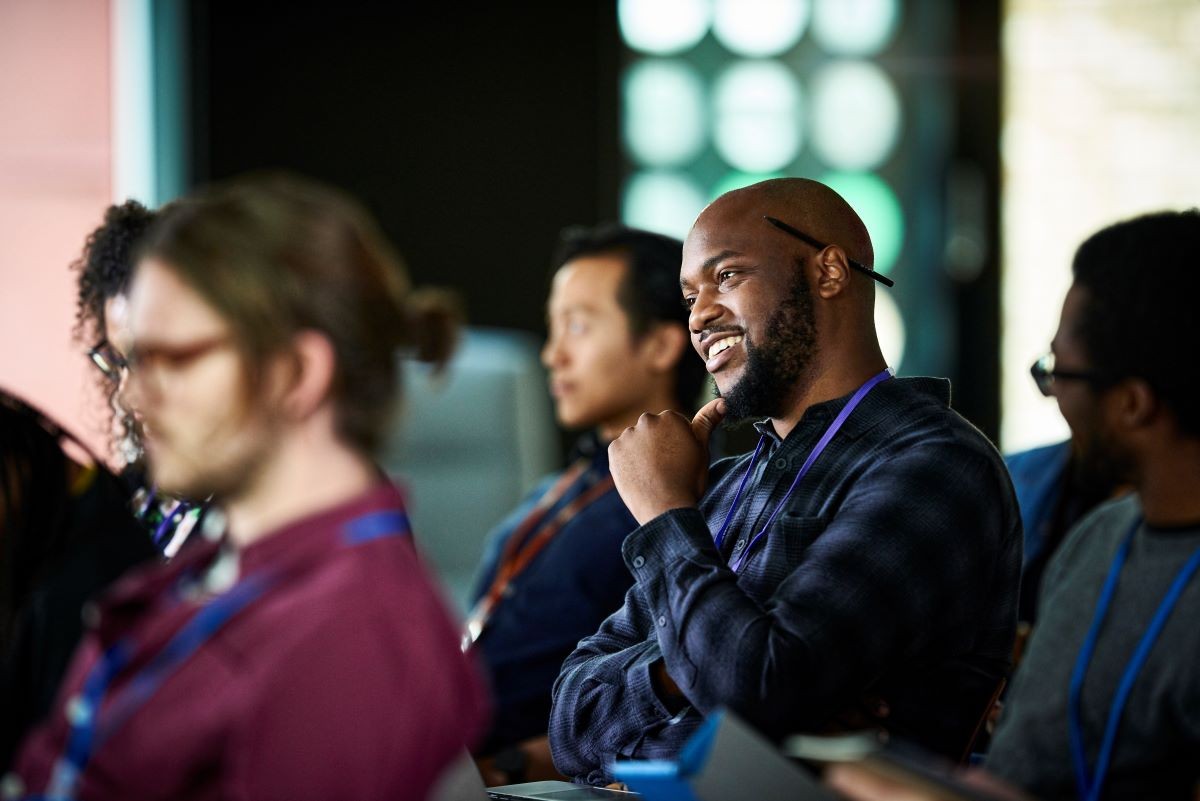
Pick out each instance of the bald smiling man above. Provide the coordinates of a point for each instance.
(859, 569)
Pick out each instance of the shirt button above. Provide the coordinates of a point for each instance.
(662, 620)
(638, 561)
(740, 544)
(781, 463)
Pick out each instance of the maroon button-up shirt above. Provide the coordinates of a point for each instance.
(343, 680)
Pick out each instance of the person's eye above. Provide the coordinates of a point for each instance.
(724, 276)
(577, 327)
(689, 301)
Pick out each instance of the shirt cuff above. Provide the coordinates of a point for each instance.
(675, 533)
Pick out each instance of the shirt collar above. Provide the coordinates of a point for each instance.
(869, 414)
(288, 546)
(311, 536)
(591, 447)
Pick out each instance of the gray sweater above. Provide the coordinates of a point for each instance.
(1157, 753)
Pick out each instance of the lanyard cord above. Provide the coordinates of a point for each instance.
(737, 496)
(1090, 788)
(519, 554)
(530, 538)
(817, 450)
(529, 526)
(180, 509)
(147, 504)
(88, 732)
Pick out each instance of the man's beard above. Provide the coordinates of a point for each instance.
(776, 367)
(227, 462)
(1098, 464)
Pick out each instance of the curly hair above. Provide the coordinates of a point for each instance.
(106, 266)
(105, 270)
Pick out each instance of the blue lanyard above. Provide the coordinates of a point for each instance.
(88, 732)
(1090, 787)
(180, 509)
(163, 528)
(817, 450)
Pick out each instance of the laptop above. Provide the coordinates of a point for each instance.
(557, 791)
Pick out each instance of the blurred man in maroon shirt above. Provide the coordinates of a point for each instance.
(305, 654)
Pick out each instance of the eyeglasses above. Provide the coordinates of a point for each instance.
(108, 360)
(173, 358)
(819, 245)
(1044, 375)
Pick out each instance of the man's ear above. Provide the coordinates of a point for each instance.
(833, 272)
(1134, 404)
(664, 345)
(313, 365)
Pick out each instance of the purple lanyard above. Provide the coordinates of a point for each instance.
(822, 443)
(180, 509)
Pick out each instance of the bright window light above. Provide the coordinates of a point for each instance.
(664, 116)
(664, 202)
(663, 27)
(876, 204)
(760, 27)
(855, 27)
(1097, 132)
(889, 325)
(758, 113)
(855, 115)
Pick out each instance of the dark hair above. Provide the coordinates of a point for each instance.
(649, 292)
(1139, 318)
(105, 271)
(66, 533)
(34, 503)
(279, 254)
(106, 266)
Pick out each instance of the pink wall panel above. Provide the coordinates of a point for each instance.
(55, 180)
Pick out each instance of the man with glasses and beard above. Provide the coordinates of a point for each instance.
(305, 654)
(1106, 699)
(102, 303)
(860, 568)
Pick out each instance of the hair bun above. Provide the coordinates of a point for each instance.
(436, 317)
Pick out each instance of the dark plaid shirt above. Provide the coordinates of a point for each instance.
(891, 575)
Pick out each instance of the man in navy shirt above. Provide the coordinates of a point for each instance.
(860, 568)
(1105, 702)
(553, 568)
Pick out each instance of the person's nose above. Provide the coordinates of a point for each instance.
(553, 353)
(131, 391)
(705, 311)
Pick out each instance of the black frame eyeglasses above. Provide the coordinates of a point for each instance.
(819, 245)
(1045, 374)
(108, 360)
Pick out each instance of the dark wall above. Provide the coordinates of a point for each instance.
(473, 131)
(976, 301)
